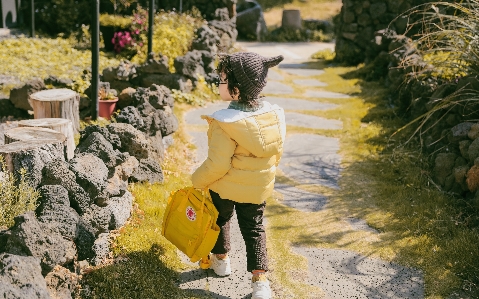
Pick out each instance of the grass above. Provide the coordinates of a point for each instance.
(41, 57)
(389, 186)
(312, 9)
(144, 264)
(386, 184)
(16, 195)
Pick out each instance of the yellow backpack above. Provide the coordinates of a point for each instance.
(190, 223)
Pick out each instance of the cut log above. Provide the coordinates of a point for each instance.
(54, 103)
(26, 134)
(61, 125)
(32, 156)
(30, 133)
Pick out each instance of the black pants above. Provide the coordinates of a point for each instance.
(250, 220)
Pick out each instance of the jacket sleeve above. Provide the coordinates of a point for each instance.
(220, 152)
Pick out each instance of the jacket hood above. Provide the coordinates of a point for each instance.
(261, 132)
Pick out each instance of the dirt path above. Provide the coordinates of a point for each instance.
(309, 159)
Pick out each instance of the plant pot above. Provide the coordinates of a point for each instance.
(106, 108)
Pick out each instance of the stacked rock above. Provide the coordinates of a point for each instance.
(362, 24)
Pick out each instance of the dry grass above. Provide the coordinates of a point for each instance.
(389, 187)
(312, 9)
(382, 183)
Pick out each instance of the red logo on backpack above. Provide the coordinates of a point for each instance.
(190, 213)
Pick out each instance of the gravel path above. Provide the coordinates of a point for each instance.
(307, 159)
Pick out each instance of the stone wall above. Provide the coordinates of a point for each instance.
(362, 24)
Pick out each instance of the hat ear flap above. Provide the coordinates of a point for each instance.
(273, 61)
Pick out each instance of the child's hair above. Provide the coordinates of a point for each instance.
(234, 87)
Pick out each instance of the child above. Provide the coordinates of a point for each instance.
(245, 143)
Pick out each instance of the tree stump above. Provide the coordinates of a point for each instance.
(54, 103)
(29, 134)
(31, 155)
(61, 125)
(291, 19)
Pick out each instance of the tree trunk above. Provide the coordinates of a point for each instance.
(61, 125)
(54, 103)
(31, 155)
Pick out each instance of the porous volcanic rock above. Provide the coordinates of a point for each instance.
(55, 208)
(91, 174)
(19, 96)
(148, 170)
(21, 277)
(32, 238)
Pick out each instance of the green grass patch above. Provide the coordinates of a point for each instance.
(41, 57)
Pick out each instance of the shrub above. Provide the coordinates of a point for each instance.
(16, 197)
(122, 41)
(123, 22)
(326, 54)
(172, 35)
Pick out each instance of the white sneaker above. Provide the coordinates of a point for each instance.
(221, 267)
(261, 290)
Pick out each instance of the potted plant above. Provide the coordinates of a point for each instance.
(107, 103)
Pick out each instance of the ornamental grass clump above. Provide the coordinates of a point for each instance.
(447, 40)
(444, 48)
(16, 195)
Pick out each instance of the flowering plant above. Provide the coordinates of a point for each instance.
(122, 40)
(131, 42)
(106, 95)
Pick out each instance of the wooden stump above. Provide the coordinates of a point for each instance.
(291, 19)
(54, 103)
(31, 155)
(61, 125)
(29, 134)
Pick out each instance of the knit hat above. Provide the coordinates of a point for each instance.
(250, 70)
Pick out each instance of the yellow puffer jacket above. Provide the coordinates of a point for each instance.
(244, 149)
